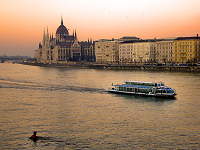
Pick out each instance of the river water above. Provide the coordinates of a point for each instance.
(71, 109)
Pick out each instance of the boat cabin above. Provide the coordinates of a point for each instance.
(143, 88)
(155, 84)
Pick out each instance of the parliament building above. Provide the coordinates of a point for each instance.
(63, 47)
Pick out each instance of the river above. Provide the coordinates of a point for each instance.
(71, 109)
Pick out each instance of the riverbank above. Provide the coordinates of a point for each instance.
(148, 67)
(91, 65)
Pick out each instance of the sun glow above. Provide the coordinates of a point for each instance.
(24, 21)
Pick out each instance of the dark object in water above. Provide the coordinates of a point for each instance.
(34, 137)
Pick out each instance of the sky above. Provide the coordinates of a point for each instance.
(22, 22)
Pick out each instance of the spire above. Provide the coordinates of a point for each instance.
(61, 20)
(47, 33)
(44, 32)
(75, 35)
(44, 38)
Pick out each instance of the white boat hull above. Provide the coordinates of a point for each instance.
(143, 94)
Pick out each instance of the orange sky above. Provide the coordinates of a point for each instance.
(23, 21)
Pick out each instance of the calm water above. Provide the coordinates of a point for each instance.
(71, 109)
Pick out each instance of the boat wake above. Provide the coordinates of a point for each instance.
(47, 87)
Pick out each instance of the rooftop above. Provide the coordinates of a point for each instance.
(189, 38)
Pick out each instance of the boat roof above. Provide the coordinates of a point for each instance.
(141, 86)
(142, 82)
(135, 86)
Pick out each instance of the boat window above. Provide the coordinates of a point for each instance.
(169, 91)
(158, 91)
(162, 84)
(129, 89)
(143, 90)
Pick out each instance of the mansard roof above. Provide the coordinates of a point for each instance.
(140, 41)
(188, 38)
(85, 43)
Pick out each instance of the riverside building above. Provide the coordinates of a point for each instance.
(64, 47)
(141, 52)
(165, 51)
(187, 49)
(107, 51)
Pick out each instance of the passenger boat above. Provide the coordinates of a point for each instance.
(156, 89)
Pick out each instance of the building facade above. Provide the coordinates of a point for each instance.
(165, 51)
(87, 51)
(63, 47)
(127, 52)
(187, 50)
(142, 51)
(107, 51)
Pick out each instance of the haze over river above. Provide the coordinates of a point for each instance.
(71, 109)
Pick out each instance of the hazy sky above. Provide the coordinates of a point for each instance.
(23, 21)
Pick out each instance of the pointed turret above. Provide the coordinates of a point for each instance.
(61, 20)
(75, 35)
(47, 34)
(47, 38)
(44, 38)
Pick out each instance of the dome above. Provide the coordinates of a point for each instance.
(62, 29)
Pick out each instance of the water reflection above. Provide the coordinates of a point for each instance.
(72, 109)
